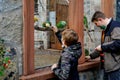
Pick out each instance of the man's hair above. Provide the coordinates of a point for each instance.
(96, 15)
(70, 37)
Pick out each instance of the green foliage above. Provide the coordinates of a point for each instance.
(2, 51)
(86, 26)
(86, 52)
(4, 61)
(85, 22)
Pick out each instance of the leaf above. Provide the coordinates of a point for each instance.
(86, 52)
(6, 59)
(1, 73)
(1, 70)
(86, 25)
(85, 22)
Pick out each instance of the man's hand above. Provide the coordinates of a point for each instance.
(98, 48)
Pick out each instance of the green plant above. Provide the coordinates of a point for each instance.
(86, 52)
(86, 27)
(85, 22)
(4, 60)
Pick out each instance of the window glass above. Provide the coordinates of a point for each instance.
(47, 47)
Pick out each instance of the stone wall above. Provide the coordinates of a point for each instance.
(11, 26)
(91, 74)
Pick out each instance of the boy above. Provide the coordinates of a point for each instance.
(66, 69)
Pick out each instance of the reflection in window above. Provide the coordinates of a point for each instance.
(47, 46)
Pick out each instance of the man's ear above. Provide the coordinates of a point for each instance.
(99, 19)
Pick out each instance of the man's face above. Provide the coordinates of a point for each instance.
(97, 23)
(100, 24)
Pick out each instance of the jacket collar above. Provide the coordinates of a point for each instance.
(108, 26)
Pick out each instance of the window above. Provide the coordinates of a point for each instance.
(28, 47)
(47, 47)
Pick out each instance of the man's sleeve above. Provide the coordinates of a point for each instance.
(114, 45)
(94, 54)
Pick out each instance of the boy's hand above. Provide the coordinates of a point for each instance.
(54, 28)
(87, 58)
(53, 66)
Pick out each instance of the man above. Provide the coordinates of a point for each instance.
(109, 50)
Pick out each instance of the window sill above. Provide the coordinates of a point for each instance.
(47, 73)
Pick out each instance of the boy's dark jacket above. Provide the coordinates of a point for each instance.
(68, 62)
(111, 47)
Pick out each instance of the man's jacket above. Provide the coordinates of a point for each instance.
(111, 47)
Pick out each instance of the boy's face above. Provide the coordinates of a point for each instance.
(63, 42)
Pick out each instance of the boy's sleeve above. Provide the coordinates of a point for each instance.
(58, 34)
(63, 71)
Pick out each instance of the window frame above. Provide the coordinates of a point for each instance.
(28, 40)
(28, 32)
